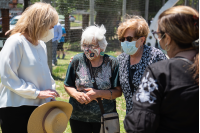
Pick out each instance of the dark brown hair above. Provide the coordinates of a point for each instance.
(181, 23)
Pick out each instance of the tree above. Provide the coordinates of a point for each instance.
(65, 7)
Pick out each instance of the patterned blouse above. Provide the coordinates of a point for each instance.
(106, 76)
(150, 55)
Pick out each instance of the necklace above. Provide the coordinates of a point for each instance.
(94, 70)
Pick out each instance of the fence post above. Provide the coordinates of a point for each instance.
(49, 45)
(91, 12)
(192, 3)
(146, 10)
(123, 10)
(186, 2)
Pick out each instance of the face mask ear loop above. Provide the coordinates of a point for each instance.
(166, 47)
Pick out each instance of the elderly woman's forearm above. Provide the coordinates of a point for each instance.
(70, 91)
(106, 94)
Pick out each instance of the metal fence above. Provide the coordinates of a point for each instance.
(107, 12)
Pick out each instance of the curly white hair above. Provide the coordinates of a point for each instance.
(94, 33)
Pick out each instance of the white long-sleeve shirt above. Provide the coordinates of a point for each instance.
(24, 72)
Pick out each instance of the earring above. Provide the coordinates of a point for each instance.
(166, 47)
(102, 53)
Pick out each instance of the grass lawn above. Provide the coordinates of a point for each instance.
(59, 73)
(75, 24)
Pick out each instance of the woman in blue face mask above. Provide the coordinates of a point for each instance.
(136, 57)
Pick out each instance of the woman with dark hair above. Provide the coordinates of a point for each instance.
(167, 100)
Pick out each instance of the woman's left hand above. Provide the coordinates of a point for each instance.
(53, 99)
(92, 94)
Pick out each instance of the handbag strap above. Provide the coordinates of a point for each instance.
(95, 86)
(130, 77)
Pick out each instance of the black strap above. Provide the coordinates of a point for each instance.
(95, 87)
(130, 77)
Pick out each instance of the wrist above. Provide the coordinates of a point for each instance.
(99, 94)
(74, 94)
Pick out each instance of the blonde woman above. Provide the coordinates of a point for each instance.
(25, 76)
(167, 100)
(136, 57)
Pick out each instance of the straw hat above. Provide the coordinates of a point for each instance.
(51, 117)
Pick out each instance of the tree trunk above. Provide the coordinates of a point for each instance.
(49, 46)
(85, 20)
(25, 4)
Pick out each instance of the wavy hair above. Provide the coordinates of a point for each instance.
(36, 20)
(137, 23)
(95, 33)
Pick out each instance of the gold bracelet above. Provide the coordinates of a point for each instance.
(111, 94)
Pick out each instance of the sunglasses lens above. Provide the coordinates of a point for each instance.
(122, 39)
(129, 39)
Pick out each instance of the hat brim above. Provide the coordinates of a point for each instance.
(36, 118)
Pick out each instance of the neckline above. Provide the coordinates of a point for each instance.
(144, 50)
(101, 63)
(31, 43)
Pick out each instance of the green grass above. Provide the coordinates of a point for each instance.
(75, 24)
(59, 73)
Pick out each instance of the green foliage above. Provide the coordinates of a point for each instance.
(20, 5)
(33, 1)
(65, 7)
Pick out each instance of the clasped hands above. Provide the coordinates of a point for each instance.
(87, 96)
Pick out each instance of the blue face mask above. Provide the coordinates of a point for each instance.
(129, 47)
(164, 51)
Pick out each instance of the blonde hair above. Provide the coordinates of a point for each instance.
(96, 34)
(136, 23)
(36, 20)
(181, 23)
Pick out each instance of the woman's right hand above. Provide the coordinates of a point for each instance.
(81, 97)
(48, 93)
(72, 58)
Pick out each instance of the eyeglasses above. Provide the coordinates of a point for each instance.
(156, 36)
(90, 46)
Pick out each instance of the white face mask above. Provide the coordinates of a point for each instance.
(49, 35)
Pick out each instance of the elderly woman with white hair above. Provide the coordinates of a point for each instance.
(79, 84)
